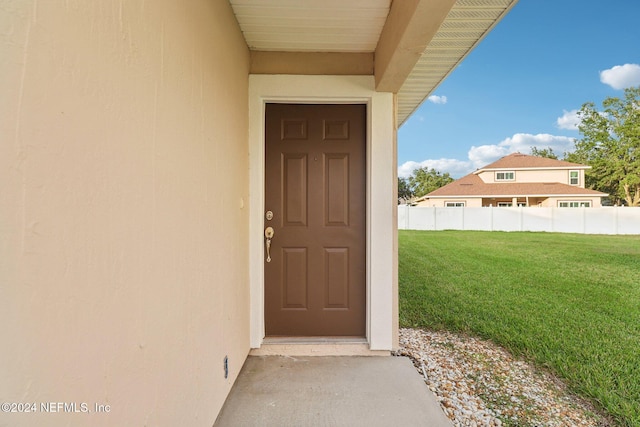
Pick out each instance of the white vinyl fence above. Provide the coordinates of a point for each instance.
(605, 220)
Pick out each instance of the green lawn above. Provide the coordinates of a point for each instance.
(567, 302)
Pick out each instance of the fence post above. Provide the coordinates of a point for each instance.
(435, 216)
(491, 228)
(521, 213)
(407, 223)
(463, 211)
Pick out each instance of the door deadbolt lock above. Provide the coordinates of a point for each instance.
(268, 215)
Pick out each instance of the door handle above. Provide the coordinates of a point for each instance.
(268, 235)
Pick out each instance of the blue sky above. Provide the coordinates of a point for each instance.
(519, 87)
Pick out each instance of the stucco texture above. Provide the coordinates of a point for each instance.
(123, 226)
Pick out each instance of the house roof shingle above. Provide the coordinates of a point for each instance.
(523, 161)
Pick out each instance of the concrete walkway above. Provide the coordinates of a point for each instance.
(330, 391)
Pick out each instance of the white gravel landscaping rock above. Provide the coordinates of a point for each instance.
(479, 384)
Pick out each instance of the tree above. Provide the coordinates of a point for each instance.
(404, 191)
(544, 152)
(610, 144)
(425, 180)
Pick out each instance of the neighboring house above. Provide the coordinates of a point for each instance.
(518, 180)
(149, 151)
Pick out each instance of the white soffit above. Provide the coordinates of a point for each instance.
(465, 25)
(311, 25)
(355, 26)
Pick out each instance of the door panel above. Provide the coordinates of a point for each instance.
(295, 189)
(315, 181)
(294, 284)
(336, 277)
(337, 189)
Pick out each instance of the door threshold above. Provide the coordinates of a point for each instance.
(314, 340)
(316, 346)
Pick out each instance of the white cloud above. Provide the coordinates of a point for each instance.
(438, 99)
(522, 142)
(621, 76)
(484, 154)
(455, 167)
(569, 120)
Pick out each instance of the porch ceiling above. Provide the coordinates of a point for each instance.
(409, 45)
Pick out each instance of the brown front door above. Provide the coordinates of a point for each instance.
(315, 185)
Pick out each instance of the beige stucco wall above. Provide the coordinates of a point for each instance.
(545, 175)
(123, 209)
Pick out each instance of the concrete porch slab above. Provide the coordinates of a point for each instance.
(330, 391)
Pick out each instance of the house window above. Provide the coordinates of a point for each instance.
(505, 176)
(574, 178)
(574, 204)
(454, 204)
(504, 204)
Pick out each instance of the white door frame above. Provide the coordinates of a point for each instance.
(381, 299)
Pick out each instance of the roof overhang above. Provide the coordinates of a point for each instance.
(410, 46)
